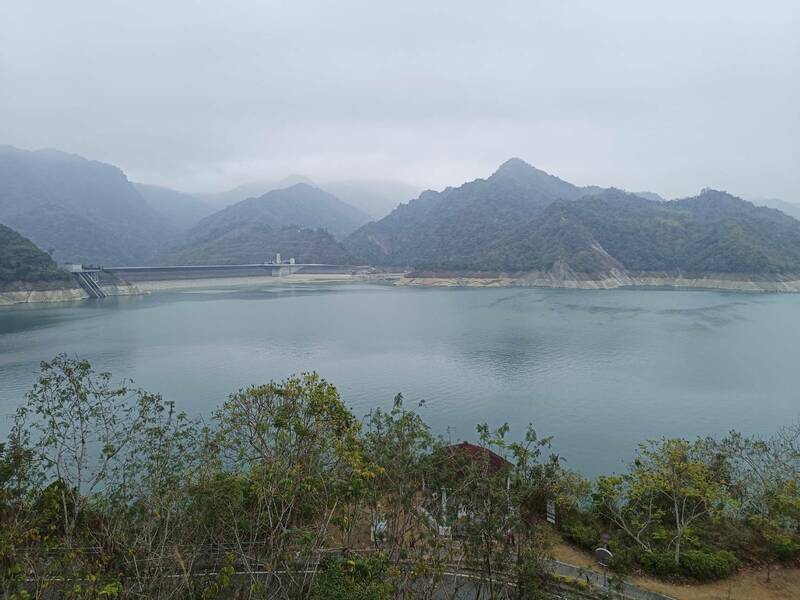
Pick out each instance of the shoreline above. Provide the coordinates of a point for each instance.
(166, 285)
(145, 287)
(610, 281)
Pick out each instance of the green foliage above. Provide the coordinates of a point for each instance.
(585, 535)
(248, 243)
(301, 205)
(219, 587)
(659, 563)
(108, 492)
(695, 564)
(708, 566)
(22, 261)
(521, 219)
(672, 486)
(352, 579)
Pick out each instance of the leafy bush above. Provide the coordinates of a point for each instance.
(694, 564)
(785, 547)
(352, 579)
(659, 563)
(625, 557)
(708, 566)
(582, 532)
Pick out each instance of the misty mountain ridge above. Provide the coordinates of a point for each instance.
(84, 210)
(519, 218)
(522, 219)
(374, 197)
(301, 205)
(298, 222)
(250, 189)
(182, 211)
(89, 212)
(790, 208)
(251, 243)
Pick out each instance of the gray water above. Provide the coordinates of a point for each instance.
(599, 370)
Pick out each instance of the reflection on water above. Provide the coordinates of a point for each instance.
(600, 370)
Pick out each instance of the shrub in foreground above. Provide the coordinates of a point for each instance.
(695, 564)
(352, 579)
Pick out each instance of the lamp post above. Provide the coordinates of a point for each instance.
(603, 557)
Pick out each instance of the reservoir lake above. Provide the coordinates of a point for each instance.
(598, 370)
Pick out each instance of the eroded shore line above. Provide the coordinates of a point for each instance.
(710, 283)
(609, 282)
(72, 294)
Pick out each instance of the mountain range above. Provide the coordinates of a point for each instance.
(181, 211)
(299, 222)
(374, 197)
(522, 219)
(82, 210)
(301, 204)
(452, 228)
(86, 211)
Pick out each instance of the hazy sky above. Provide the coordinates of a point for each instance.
(206, 95)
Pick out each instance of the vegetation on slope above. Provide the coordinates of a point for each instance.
(86, 211)
(452, 228)
(711, 233)
(21, 261)
(300, 205)
(250, 243)
(523, 220)
(107, 492)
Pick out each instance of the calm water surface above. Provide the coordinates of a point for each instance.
(599, 370)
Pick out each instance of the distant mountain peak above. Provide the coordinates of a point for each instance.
(514, 166)
(300, 186)
(518, 169)
(712, 191)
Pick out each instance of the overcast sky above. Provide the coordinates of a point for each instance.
(206, 95)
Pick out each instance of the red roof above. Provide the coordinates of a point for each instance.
(477, 453)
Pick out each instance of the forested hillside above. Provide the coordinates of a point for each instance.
(521, 219)
(22, 261)
(301, 205)
(257, 243)
(449, 229)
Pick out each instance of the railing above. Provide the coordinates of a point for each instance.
(89, 285)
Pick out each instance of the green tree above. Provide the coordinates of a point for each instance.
(290, 457)
(398, 447)
(671, 485)
(80, 423)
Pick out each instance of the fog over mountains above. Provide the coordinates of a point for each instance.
(87, 211)
(377, 198)
(82, 210)
(300, 221)
(300, 204)
(516, 220)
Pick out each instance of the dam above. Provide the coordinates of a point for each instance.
(96, 281)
